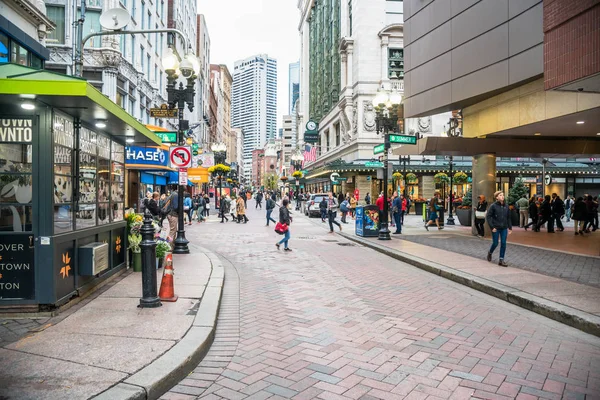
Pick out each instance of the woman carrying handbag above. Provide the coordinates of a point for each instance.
(283, 226)
(480, 216)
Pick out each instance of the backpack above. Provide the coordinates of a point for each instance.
(270, 204)
(167, 208)
(344, 206)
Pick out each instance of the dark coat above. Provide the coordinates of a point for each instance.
(153, 207)
(579, 211)
(498, 216)
(558, 207)
(284, 215)
(546, 209)
(533, 210)
(481, 206)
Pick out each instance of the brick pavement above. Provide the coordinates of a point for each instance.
(333, 322)
(576, 268)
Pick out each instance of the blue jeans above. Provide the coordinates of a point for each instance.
(502, 234)
(269, 217)
(286, 237)
(398, 222)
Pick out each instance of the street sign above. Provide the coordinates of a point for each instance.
(547, 179)
(180, 156)
(311, 137)
(334, 176)
(374, 164)
(380, 148)
(342, 179)
(183, 176)
(336, 183)
(167, 137)
(163, 112)
(403, 139)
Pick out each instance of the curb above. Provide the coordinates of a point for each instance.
(166, 371)
(578, 319)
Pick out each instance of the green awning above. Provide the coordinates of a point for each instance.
(73, 96)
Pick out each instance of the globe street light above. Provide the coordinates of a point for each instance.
(386, 107)
(179, 97)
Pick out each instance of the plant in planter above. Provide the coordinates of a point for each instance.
(297, 174)
(162, 248)
(134, 239)
(397, 176)
(219, 169)
(465, 210)
(411, 178)
(460, 178)
(441, 177)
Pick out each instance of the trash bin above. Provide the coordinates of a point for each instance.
(367, 221)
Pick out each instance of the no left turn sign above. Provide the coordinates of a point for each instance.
(180, 156)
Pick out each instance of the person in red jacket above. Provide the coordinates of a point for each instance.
(379, 202)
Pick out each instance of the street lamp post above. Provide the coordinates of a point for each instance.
(450, 220)
(404, 160)
(220, 151)
(386, 121)
(189, 68)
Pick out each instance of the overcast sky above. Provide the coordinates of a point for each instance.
(242, 28)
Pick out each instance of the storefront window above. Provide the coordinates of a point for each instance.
(103, 180)
(3, 49)
(19, 54)
(118, 181)
(63, 138)
(86, 208)
(16, 187)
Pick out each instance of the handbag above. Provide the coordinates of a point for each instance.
(281, 228)
(480, 214)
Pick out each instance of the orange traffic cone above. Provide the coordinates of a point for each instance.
(167, 291)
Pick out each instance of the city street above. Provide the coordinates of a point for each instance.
(335, 320)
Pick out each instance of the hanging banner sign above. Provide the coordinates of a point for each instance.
(16, 130)
(145, 155)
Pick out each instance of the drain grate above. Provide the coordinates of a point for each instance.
(330, 240)
(347, 244)
(306, 237)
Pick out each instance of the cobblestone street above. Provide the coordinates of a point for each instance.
(334, 320)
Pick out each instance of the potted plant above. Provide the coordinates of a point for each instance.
(517, 191)
(411, 179)
(441, 177)
(219, 169)
(397, 176)
(297, 174)
(162, 248)
(419, 202)
(133, 240)
(460, 178)
(464, 212)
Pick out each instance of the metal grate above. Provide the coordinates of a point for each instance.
(347, 244)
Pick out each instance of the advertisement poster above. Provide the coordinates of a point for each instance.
(17, 274)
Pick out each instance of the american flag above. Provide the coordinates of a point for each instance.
(310, 153)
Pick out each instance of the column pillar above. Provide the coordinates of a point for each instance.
(109, 85)
(350, 64)
(344, 70)
(385, 40)
(484, 183)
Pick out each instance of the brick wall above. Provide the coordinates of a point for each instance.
(571, 41)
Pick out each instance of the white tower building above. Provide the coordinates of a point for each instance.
(254, 104)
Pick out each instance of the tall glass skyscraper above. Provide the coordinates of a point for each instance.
(254, 104)
(294, 86)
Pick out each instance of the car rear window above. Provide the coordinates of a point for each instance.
(318, 199)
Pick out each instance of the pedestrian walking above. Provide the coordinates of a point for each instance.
(545, 215)
(187, 207)
(270, 207)
(405, 208)
(480, 212)
(259, 199)
(558, 211)
(533, 213)
(523, 206)
(397, 214)
(368, 199)
(241, 209)
(345, 209)
(579, 214)
(353, 203)
(284, 218)
(568, 205)
(224, 208)
(498, 218)
(323, 209)
(207, 208)
(170, 210)
(201, 209)
(152, 205)
(332, 206)
(591, 214)
(433, 216)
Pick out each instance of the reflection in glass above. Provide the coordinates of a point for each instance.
(87, 178)
(103, 191)
(118, 172)
(62, 159)
(117, 192)
(118, 152)
(15, 188)
(16, 218)
(15, 158)
(117, 209)
(63, 189)
(86, 216)
(103, 213)
(63, 218)
(103, 169)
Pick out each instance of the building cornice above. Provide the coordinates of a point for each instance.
(33, 14)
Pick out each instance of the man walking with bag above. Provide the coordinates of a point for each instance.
(498, 217)
(332, 212)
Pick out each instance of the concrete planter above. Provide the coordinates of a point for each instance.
(464, 216)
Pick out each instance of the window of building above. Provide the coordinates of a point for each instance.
(396, 63)
(4, 46)
(19, 54)
(143, 24)
(92, 25)
(148, 63)
(149, 19)
(56, 15)
(133, 9)
(142, 51)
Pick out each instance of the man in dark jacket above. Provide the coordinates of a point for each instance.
(498, 217)
(270, 207)
(558, 210)
(546, 215)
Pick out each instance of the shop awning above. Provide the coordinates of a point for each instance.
(173, 179)
(73, 96)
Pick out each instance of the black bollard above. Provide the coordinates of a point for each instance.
(148, 245)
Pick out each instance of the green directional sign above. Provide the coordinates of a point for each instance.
(380, 148)
(167, 137)
(403, 139)
(374, 164)
(195, 147)
(342, 179)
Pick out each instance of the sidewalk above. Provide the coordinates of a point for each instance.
(571, 303)
(111, 344)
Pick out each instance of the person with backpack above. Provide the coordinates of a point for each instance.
(323, 209)
(344, 208)
(259, 199)
(207, 208)
(170, 210)
(201, 208)
(270, 207)
(332, 205)
(224, 208)
(397, 213)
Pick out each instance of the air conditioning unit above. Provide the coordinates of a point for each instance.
(93, 258)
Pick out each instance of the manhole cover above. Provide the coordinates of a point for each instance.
(347, 244)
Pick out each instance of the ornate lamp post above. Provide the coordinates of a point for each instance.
(220, 151)
(189, 68)
(450, 217)
(386, 106)
(297, 159)
(404, 160)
